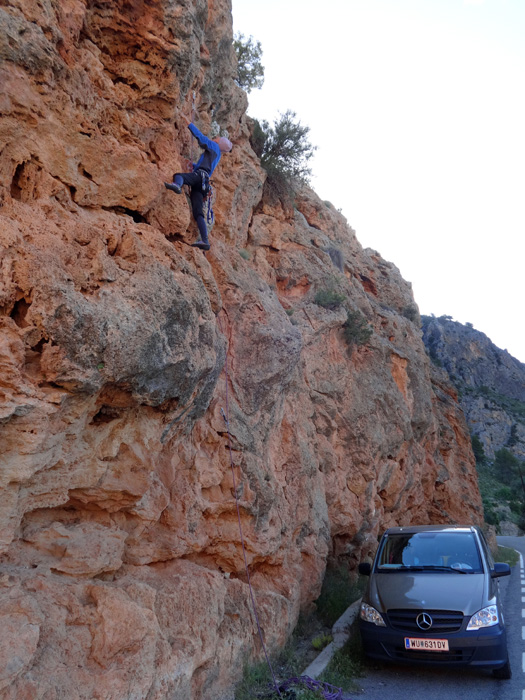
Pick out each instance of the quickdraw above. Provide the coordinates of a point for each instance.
(210, 217)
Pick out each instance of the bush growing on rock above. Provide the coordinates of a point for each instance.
(477, 448)
(328, 298)
(250, 71)
(284, 150)
(356, 330)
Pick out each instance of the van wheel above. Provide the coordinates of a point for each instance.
(504, 673)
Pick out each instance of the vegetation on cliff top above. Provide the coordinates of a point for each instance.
(250, 71)
(284, 149)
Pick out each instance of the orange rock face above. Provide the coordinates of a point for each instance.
(121, 569)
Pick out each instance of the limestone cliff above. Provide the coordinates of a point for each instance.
(121, 574)
(491, 382)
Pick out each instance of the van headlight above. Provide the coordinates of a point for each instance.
(484, 618)
(370, 614)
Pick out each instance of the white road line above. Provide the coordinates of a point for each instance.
(523, 632)
(523, 628)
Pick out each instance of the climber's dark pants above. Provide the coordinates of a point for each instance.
(194, 180)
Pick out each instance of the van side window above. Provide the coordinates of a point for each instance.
(486, 550)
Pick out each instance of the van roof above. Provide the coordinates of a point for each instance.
(412, 529)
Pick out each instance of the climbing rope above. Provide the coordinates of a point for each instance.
(192, 120)
(329, 692)
(226, 417)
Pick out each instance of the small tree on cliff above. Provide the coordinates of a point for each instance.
(250, 71)
(477, 448)
(284, 150)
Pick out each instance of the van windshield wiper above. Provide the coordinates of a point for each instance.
(432, 567)
(423, 567)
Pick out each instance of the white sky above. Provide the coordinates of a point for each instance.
(418, 111)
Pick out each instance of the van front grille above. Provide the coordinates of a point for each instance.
(443, 621)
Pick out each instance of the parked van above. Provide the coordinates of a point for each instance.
(433, 598)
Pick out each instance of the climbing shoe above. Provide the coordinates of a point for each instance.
(173, 186)
(201, 244)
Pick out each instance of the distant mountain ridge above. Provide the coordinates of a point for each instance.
(490, 382)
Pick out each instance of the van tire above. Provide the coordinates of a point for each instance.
(504, 673)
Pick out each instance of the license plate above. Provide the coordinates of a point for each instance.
(426, 644)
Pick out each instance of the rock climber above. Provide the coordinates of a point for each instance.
(199, 178)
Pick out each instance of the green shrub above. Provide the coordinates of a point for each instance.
(513, 437)
(288, 663)
(505, 493)
(477, 448)
(491, 516)
(328, 298)
(506, 465)
(412, 313)
(289, 312)
(245, 254)
(256, 676)
(517, 507)
(250, 71)
(507, 555)
(322, 641)
(284, 150)
(337, 593)
(434, 358)
(356, 330)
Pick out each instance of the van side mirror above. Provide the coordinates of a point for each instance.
(365, 569)
(500, 569)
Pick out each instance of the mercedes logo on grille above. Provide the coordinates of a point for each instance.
(424, 621)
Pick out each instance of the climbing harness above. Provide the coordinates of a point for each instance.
(329, 692)
(207, 193)
(205, 180)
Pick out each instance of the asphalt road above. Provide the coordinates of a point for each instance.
(396, 682)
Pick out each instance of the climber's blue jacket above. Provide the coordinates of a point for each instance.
(212, 153)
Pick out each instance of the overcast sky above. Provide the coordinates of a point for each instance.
(418, 111)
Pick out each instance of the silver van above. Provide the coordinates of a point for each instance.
(433, 598)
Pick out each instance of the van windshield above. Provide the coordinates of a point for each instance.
(430, 551)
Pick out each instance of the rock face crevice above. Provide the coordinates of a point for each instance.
(121, 571)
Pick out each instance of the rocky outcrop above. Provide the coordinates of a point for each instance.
(490, 381)
(121, 574)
